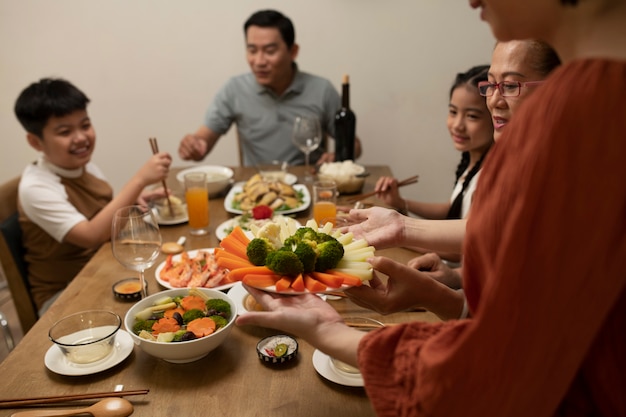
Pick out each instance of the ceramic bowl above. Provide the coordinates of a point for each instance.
(180, 352)
(218, 177)
(86, 337)
(268, 349)
(128, 289)
(348, 176)
(179, 206)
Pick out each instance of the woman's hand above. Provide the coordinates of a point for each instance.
(380, 227)
(306, 316)
(438, 270)
(406, 288)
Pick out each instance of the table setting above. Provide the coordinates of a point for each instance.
(232, 375)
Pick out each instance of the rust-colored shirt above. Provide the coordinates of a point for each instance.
(52, 264)
(544, 271)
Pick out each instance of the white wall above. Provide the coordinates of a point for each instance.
(151, 68)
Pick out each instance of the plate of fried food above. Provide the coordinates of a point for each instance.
(282, 198)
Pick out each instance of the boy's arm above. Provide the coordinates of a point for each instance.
(92, 233)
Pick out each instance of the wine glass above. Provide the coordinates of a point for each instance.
(135, 240)
(307, 136)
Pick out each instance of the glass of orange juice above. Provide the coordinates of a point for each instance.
(324, 200)
(197, 197)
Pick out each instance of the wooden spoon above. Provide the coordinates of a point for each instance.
(109, 407)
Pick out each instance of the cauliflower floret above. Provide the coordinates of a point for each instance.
(271, 231)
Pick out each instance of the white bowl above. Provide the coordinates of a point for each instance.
(86, 337)
(344, 174)
(180, 352)
(218, 177)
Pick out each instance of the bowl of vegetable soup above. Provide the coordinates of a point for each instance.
(181, 325)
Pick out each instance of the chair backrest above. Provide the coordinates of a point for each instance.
(12, 255)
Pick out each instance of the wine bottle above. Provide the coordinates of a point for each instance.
(345, 125)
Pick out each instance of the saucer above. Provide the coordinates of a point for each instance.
(57, 363)
(324, 367)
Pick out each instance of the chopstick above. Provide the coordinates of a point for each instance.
(155, 150)
(63, 398)
(407, 181)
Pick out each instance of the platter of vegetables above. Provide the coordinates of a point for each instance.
(311, 259)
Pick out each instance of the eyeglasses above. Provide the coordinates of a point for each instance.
(506, 88)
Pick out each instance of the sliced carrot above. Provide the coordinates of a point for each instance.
(166, 324)
(332, 281)
(191, 302)
(222, 253)
(239, 273)
(240, 235)
(298, 283)
(261, 280)
(283, 284)
(201, 327)
(234, 246)
(233, 264)
(312, 284)
(351, 280)
(169, 313)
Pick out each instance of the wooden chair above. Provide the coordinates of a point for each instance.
(12, 255)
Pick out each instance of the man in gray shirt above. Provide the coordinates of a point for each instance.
(265, 102)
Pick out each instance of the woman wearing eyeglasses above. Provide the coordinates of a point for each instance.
(544, 256)
(517, 69)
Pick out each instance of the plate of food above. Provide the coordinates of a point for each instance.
(169, 221)
(193, 268)
(315, 260)
(280, 197)
(247, 222)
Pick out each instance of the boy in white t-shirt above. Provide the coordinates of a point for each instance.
(65, 204)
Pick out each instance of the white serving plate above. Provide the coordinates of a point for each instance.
(238, 188)
(191, 253)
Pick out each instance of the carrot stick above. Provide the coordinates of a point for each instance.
(313, 285)
(223, 254)
(233, 264)
(283, 284)
(261, 280)
(332, 281)
(234, 246)
(240, 235)
(298, 283)
(239, 273)
(348, 279)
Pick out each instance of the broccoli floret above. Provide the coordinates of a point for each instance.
(258, 249)
(192, 315)
(178, 336)
(143, 325)
(218, 305)
(330, 253)
(306, 233)
(307, 255)
(219, 321)
(284, 262)
(178, 299)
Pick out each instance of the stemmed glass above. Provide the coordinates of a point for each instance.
(135, 240)
(307, 136)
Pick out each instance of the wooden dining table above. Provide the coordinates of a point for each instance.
(230, 381)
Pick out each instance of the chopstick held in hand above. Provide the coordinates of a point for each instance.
(406, 181)
(155, 150)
